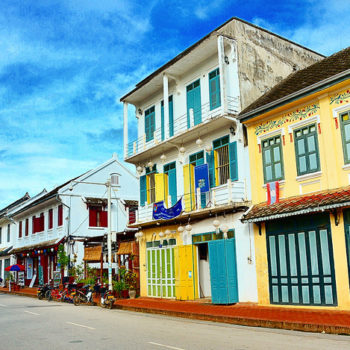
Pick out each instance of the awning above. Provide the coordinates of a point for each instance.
(45, 244)
(92, 254)
(125, 248)
(299, 205)
(5, 251)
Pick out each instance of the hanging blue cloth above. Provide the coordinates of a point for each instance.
(160, 212)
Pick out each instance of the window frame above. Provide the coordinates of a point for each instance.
(272, 155)
(342, 133)
(307, 153)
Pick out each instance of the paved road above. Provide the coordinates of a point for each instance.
(27, 323)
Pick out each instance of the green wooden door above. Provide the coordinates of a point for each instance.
(301, 267)
(346, 214)
(160, 272)
(194, 103)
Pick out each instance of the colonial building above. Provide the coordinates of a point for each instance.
(71, 214)
(7, 236)
(192, 157)
(299, 137)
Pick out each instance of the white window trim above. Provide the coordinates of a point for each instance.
(297, 125)
(309, 176)
(336, 111)
(277, 132)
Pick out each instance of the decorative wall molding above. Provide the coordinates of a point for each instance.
(298, 114)
(343, 97)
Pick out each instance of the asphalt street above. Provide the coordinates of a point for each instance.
(27, 323)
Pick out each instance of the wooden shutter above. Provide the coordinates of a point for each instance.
(233, 161)
(60, 215)
(50, 218)
(92, 217)
(160, 186)
(20, 230)
(171, 117)
(27, 227)
(162, 120)
(33, 225)
(211, 165)
(143, 190)
(103, 218)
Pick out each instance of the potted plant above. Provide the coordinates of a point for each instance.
(118, 287)
(131, 283)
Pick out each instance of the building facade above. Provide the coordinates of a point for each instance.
(299, 149)
(69, 214)
(192, 157)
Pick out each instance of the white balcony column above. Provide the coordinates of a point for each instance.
(222, 68)
(125, 129)
(166, 105)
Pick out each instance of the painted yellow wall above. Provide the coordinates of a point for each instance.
(333, 173)
(149, 235)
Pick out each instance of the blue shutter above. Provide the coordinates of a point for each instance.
(171, 117)
(210, 162)
(233, 161)
(214, 89)
(143, 190)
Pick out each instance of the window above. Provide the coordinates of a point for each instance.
(272, 159)
(150, 123)
(8, 233)
(50, 219)
(33, 225)
(20, 230)
(214, 89)
(197, 158)
(27, 227)
(222, 160)
(60, 215)
(306, 150)
(0, 235)
(98, 217)
(345, 133)
(151, 184)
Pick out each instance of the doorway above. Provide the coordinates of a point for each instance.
(204, 271)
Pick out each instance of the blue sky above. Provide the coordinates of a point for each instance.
(64, 64)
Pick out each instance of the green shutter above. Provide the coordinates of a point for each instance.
(211, 165)
(233, 161)
(214, 89)
(162, 119)
(150, 123)
(143, 190)
(345, 133)
(171, 117)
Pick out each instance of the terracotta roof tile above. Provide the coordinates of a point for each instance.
(314, 202)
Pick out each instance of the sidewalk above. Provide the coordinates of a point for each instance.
(335, 322)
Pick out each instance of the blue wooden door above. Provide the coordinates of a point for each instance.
(223, 271)
(194, 102)
(172, 185)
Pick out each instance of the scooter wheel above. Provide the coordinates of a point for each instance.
(76, 300)
(110, 305)
(48, 295)
(40, 296)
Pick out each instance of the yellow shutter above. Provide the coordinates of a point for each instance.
(148, 189)
(216, 168)
(185, 272)
(189, 193)
(159, 180)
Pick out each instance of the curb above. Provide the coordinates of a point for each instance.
(244, 321)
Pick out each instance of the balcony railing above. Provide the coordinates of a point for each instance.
(229, 193)
(181, 125)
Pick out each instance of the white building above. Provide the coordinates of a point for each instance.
(74, 210)
(186, 113)
(7, 237)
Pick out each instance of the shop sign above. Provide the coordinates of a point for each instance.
(29, 268)
(21, 278)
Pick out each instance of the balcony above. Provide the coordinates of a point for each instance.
(181, 126)
(231, 193)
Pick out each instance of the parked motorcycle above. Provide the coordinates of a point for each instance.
(83, 295)
(41, 292)
(107, 298)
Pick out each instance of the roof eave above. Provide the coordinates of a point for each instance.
(295, 95)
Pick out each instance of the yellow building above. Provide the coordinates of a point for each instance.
(299, 143)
